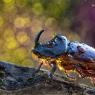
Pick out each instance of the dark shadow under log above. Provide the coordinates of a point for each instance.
(16, 80)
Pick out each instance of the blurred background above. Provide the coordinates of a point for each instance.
(21, 20)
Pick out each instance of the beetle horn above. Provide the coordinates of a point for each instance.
(38, 37)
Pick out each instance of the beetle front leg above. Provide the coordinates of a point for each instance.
(38, 69)
(53, 69)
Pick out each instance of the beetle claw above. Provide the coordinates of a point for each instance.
(50, 76)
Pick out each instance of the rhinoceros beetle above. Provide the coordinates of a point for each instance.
(70, 55)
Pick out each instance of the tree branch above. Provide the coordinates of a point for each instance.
(16, 80)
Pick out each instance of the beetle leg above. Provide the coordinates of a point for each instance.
(79, 70)
(67, 75)
(38, 69)
(53, 69)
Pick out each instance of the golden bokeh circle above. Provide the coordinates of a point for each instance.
(8, 1)
(11, 43)
(21, 22)
(22, 37)
(37, 8)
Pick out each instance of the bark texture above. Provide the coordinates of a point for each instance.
(16, 80)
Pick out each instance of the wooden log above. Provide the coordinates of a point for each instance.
(16, 80)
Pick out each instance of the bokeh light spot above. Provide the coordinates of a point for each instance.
(9, 38)
(8, 5)
(22, 37)
(21, 22)
(50, 21)
(36, 25)
(21, 3)
(1, 21)
(8, 33)
(20, 53)
(37, 8)
(11, 43)
(8, 1)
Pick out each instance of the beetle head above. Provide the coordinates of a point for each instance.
(53, 48)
